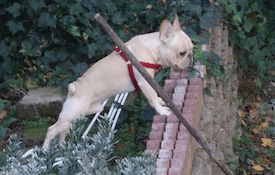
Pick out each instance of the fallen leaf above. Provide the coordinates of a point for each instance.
(49, 75)
(263, 125)
(265, 161)
(253, 113)
(256, 131)
(241, 113)
(164, 1)
(267, 142)
(258, 98)
(3, 114)
(243, 122)
(258, 168)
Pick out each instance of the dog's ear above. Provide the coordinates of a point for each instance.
(176, 23)
(165, 31)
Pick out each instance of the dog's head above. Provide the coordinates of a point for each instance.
(176, 50)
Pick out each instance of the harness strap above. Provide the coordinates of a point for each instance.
(130, 67)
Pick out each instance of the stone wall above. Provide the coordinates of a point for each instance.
(219, 111)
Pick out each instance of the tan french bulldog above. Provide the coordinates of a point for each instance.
(170, 47)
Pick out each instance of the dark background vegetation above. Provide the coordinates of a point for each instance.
(51, 43)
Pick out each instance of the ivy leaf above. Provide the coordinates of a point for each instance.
(36, 4)
(4, 49)
(248, 26)
(3, 132)
(76, 9)
(117, 19)
(79, 68)
(15, 27)
(242, 35)
(68, 19)
(49, 57)
(61, 54)
(75, 32)
(46, 20)
(85, 36)
(237, 18)
(91, 51)
(14, 9)
(206, 21)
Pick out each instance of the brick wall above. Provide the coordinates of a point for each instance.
(168, 136)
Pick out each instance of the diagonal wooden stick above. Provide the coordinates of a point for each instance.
(162, 94)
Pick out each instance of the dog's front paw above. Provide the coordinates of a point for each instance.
(163, 110)
(161, 101)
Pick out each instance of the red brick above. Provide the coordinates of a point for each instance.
(178, 97)
(182, 82)
(180, 153)
(170, 135)
(183, 128)
(188, 117)
(175, 75)
(162, 171)
(158, 127)
(175, 171)
(193, 88)
(195, 81)
(178, 103)
(155, 135)
(168, 144)
(192, 95)
(182, 144)
(172, 127)
(169, 85)
(184, 74)
(163, 163)
(159, 119)
(172, 119)
(153, 144)
(177, 163)
(170, 95)
(165, 154)
(188, 110)
(183, 135)
(190, 102)
(175, 70)
(180, 90)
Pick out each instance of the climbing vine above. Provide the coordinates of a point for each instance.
(53, 42)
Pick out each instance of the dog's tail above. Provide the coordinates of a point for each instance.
(71, 88)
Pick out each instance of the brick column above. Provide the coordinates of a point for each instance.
(172, 141)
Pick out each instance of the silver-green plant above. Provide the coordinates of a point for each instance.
(76, 155)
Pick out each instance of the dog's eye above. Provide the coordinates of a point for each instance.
(182, 53)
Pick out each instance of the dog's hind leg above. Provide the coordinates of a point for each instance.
(73, 108)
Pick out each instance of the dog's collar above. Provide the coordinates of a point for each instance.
(130, 67)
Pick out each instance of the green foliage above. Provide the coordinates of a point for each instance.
(251, 28)
(133, 127)
(210, 60)
(55, 41)
(76, 156)
(41, 122)
(6, 121)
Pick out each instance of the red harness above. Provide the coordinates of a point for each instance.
(130, 67)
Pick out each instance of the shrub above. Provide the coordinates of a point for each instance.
(55, 41)
(251, 28)
(76, 156)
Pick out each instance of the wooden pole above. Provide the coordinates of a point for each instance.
(162, 94)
